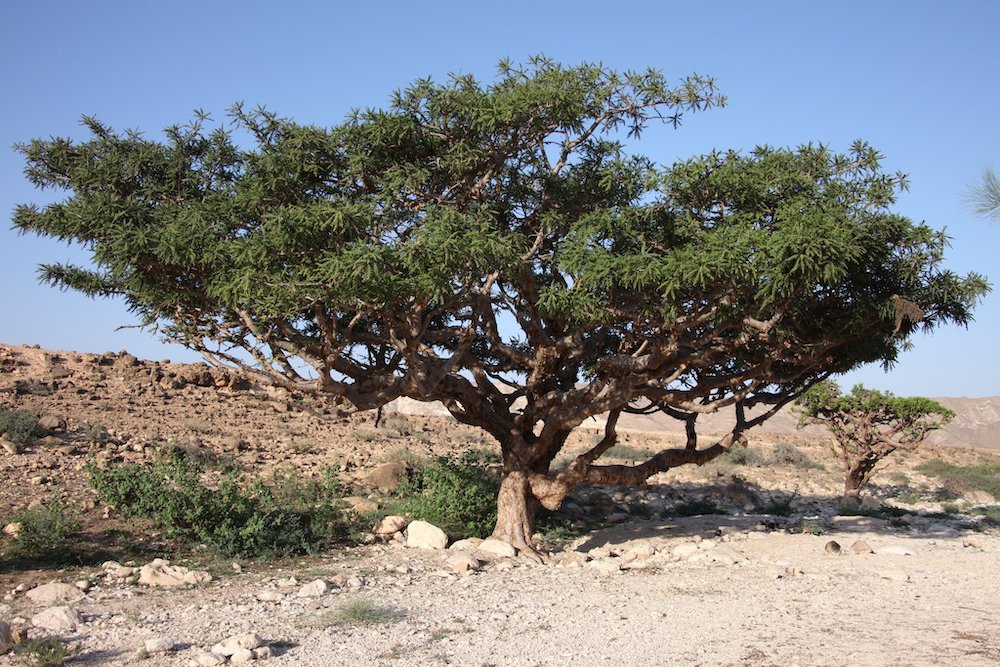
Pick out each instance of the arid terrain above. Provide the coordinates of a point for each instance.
(648, 585)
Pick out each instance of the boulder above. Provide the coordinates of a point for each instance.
(390, 525)
(233, 645)
(497, 547)
(6, 637)
(160, 572)
(861, 547)
(54, 593)
(463, 562)
(159, 645)
(57, 619)
(313, 589)
(388, 476)
(423, 535)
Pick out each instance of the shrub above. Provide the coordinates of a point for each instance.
(780, 505)
(44, 652)
(45, 533)
(456, 494)
(743, 456)
(19, 427)
(695, 508)
(788, 454)
(981, 477)
(292, 516)
(363, 612)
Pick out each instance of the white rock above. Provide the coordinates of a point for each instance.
(209, 659)
(725, 555)
(463, 562)
(270, 596)
(498, 547)
(423, 535)
(54, 593)
(159, 645)
(468, 544)
(605, 565)
(57, 619)
(160, 572)
(6, 637)
(314, 589)
(895, 550)
(390, 524)
(684, 550)
(261, 653)
(241, 656)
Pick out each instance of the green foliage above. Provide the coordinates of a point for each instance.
(787, 454)
(19, 427)
(780, 505)
(46, 533)
(980, 477)
(985, 196)
(291, 516)
(44, 652)
(458, 495)
(695, 508)
(364, 612)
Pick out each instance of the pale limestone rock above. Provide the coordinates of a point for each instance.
(463, 562)
(685, 550)
(423, 535)
(468, 544)
(314, 589)
(270, 596)
(160, 572)
(241, 656)
(54, 593)
(390, 525)
(261, 653)
(209, 659)
(57, 619)
(861, 547)
(159, 645)
(497, 547)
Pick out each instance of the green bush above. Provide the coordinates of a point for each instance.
(291, 516)
(19, 427)
(458, 495)
(981, 477)
(780, 505)
(788, 454)
(45, 533)
(695, 508)
(44, 652)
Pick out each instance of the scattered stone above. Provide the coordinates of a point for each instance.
(497, 547)
(54, 593)
(685, 550)
(423, 535)
(13, 528)
(57, 619)
(209, 659)
(6, 637)
(116, 570)
(52, 423)
(468, 544)
(244, 642)
(861, 547)
(894, 574)
(9, 446)
(314, 589)
(361, 505)
(261, 653)
(270, 596)
(833, 547)
(970, 543)
(82, 585)
(463, 562)
(159, 645)
(161, 573)
(241, 656)
(895, 550)
(390, 525)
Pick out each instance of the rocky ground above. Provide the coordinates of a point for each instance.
(743, 588)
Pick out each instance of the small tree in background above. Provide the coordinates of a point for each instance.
(985, 196)
(497, 248)
(869, 425)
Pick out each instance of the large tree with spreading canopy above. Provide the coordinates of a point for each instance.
(498, 247)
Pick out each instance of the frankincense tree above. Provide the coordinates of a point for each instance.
(496, 247)
(868, 425)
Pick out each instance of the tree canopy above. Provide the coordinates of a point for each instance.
(496, 246)
(868, 425)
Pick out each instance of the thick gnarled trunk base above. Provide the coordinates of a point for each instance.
(516, 511)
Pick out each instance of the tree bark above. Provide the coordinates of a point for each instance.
(517, 507)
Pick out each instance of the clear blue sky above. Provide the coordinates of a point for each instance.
(919, 80)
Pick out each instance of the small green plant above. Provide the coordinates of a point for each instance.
(980, 477)
(291, 516)
(365, 612)
(789, 455)
(743, 456)
(44, 652)
(456, 494)
(695, 508)
(811, 526)
(19, 427)
(45, 533)
(780, 505)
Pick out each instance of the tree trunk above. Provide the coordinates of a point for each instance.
(516, 510)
